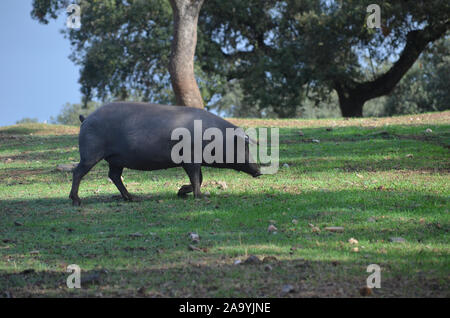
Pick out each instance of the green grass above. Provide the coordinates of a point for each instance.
(377, 178)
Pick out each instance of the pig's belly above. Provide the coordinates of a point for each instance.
(141, 161)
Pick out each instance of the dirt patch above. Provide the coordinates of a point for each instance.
(20, 176)
(216, 279)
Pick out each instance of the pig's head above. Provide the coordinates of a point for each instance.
(249, 165)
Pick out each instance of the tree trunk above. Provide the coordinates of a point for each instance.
(181, 67)
(351, 102)
(351, 108)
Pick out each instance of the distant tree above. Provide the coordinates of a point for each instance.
(125, 48)
(231, 105)
(27, 120)
(411, 26)
(283, 50)
(436, 65)
(425, 87)
(69, 114)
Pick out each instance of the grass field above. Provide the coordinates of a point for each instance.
(378, 178)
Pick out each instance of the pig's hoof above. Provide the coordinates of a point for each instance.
(200, 196)
(184, 190)
(75, 200)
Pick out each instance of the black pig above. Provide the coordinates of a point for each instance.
(138, 136)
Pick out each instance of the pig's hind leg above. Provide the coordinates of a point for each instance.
(78, 173)
(195, 176)
(91, 152)
(115, 174)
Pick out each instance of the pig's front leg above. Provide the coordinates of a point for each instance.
(195, 176)
(187, 188)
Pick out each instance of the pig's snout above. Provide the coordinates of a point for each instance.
(253, 169)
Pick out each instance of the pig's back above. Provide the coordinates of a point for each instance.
(136, 135)
(154, 117)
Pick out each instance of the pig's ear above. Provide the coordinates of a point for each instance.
(240, 132)
(251, 140)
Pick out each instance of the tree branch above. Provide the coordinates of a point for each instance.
(416, 43)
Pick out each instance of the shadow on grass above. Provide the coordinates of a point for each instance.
(369, 198)
(222, 279)
(156, 262)
(324, 164)
(245, 215)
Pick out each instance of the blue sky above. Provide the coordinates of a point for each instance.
(36, 76)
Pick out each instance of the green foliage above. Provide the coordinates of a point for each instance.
(69, 114)
(426, 86)
(375, 107)
(282, 53)
(27, 120)
(123, 47)
(324, 107)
